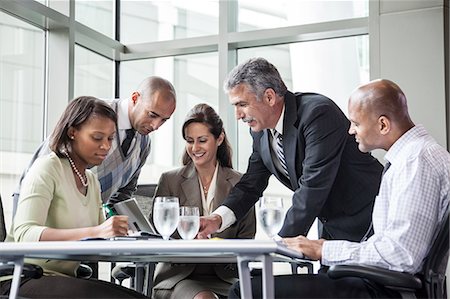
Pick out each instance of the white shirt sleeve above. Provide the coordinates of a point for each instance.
(228, 217)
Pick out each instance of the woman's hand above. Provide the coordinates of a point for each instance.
(310, 248)
(113, 226)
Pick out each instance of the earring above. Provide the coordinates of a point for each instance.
(72, 137)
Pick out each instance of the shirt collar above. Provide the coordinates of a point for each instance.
(123, 120)
(279, 125)
(395, 151)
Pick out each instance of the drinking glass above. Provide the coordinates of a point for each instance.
(189, 222)
(271, 214)
(166, 215)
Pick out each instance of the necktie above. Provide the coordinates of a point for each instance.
(279, 151)
(127, 141)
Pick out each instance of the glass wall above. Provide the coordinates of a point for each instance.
(94, 74)
(98, 15)
(259, 14)
(147, 21)
(22, 63)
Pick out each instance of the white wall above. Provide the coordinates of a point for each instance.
(408, 47)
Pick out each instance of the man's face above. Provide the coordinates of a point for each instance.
(148, 114)
(364, 126)
(256, 114)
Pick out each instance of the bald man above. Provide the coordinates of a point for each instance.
(408, 211)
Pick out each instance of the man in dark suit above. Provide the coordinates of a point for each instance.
(319, 160)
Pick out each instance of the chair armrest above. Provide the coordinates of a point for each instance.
(121, 272)
(389, 279)
(84, 271)
(29, 270)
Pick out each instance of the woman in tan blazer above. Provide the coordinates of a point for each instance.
(204, 181)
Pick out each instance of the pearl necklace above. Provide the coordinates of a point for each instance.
(83, 181)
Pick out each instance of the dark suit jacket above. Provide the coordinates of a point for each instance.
(330, 177)
(183, 183)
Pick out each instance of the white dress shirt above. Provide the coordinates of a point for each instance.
(123, 121)
(413, 197)
(207, 202)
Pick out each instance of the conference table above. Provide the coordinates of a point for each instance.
(156, 250)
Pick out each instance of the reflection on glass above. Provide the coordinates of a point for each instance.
(331, 67)
(263, 14)
(195, 78)
(97, 15)
(94, 74)
(145, 21)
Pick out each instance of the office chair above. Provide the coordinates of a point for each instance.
(7, 268)
(430, 282)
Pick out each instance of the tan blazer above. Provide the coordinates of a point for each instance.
(183, 183)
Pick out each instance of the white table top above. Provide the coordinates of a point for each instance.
(145, 250)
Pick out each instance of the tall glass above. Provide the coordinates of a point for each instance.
(166, 215)
(271, 214)
(189, 222)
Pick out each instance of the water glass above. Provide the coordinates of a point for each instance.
(189, 222)
(271, 215)
(166, 215)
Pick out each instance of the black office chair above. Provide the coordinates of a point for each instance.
(428, 283)
(7, 268)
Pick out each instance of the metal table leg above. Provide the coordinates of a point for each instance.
(18, 266)
(139, 277)
(244, 277)
(267, 276)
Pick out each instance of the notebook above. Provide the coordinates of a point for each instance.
(137, 221)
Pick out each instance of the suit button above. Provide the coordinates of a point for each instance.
(324, 219)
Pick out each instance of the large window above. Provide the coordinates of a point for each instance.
(146, 21)
(94, 74)
(21, 99)
(98, 15)
(259, 14)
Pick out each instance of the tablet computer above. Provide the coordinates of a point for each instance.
(137, 221)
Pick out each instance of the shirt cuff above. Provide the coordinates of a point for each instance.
(228, 217)
(335, 252)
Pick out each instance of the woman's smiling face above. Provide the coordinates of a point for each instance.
(201, 145)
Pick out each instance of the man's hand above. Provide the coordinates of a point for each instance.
(209, 225)
(310, 248)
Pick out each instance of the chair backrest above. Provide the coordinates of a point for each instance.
(2, 222)
(435, 264)
(144, 195)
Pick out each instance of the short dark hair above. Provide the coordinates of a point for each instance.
(75, 115)
(205, 114)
